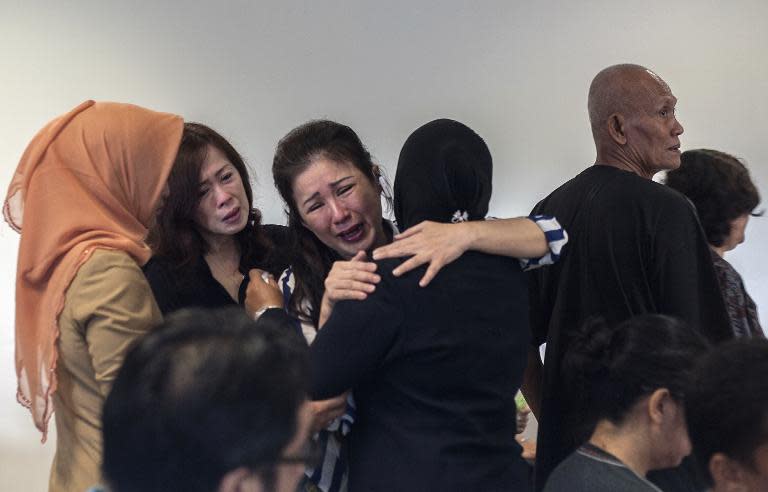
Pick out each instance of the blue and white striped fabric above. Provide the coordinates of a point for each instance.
(331, 474)
(556, 236)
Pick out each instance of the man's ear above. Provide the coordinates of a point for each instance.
(727, 474)
(616, 124)
(240, 480)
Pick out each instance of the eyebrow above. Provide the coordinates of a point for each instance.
(670, 99)
(331, 185)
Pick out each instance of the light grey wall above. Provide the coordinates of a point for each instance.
(517, 72)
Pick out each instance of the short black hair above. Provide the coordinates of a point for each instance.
(205, 393)
(720, 188)
(727, 408)
(608, 367)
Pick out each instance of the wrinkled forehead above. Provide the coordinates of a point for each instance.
(658, 82)
(650, 90)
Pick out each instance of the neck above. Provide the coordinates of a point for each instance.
(615, 158)
(223, 247)
(624, 442)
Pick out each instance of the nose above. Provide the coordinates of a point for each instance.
(339, 213)
(677, 129)
(222, 196)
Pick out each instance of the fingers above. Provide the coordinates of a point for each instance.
(359, 256)
(265, 276)
(409, 264)
(401, 247)
(432, 270)
(352, 280)
(411, 231)
(325, 411)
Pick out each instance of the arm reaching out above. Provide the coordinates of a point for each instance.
(439, 244)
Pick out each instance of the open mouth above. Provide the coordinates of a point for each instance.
(675, 148)
(353, 234)
(232, 216)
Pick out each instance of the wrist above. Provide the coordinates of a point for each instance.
(471, 235)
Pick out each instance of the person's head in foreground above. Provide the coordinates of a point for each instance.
(631, 379)
(727, 412)
(209, 401)
(725, 197)
(632, 113)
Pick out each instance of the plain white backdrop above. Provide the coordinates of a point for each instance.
(517, 72)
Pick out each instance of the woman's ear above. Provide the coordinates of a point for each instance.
(660, 406)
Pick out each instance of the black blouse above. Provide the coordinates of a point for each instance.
(194, 285)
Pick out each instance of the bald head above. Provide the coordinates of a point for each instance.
(625, 89)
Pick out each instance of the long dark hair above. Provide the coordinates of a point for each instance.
(608, 368)
(174, 235)
(294, 154)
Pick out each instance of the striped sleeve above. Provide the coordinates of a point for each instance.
(556, 237)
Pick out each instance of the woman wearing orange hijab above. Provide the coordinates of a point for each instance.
(82, 198)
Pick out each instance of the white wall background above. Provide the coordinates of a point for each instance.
(517, 72)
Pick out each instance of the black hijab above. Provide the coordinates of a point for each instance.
(444, 174)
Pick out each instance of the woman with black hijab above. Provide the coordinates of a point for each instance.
(434, 370)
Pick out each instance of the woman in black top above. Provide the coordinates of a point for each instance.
(434, 370)
(208, 235)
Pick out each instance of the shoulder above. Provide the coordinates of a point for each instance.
(109, 280)
(112, 265)
(573, 475)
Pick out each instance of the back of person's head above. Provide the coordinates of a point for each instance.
(727, 414)
(609, 368)
(444, 174)
(720, 188)
(206, 393)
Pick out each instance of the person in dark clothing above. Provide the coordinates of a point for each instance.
(636, 246)
(209, 401)
(207, 236)
(727, 415)
(725, 197)
(434, 370)
(630, 379)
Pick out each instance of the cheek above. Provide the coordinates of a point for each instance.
(315, 223)
(370, 206)
(202, 214)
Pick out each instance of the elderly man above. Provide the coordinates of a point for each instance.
(636, 246)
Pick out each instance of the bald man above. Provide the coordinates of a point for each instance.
(636, 247)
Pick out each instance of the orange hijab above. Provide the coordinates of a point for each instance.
(89, 179)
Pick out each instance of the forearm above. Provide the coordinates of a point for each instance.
(519, 237)
(532, 381)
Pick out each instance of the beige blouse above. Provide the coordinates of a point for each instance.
(108, 306)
